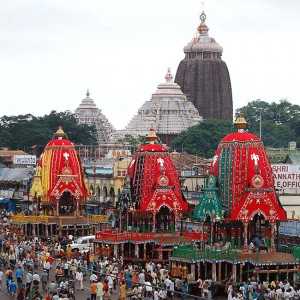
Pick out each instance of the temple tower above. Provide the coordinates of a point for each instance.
(203, 76)
(88, 113)
(168, 113)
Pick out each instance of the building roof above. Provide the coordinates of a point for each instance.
(15, 174)
(185, 161)
(88, 113)
(8, 153)
(168, 112)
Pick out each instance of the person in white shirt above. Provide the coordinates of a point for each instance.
(110, 283)
(148, 288)
(79, 278)
(93, 278)
(155, 295)
(1, 279)
(162, 294)
(141, 278)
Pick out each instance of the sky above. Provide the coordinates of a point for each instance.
(51, 51)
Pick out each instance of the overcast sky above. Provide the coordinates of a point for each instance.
(53, 50)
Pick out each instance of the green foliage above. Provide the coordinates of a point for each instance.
(134, 142)
(28, 132)
(280, 121)
(280, 125)
(203, 138)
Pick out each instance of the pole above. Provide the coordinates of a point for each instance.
(260, 129)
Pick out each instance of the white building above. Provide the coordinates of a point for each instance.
(88, 113)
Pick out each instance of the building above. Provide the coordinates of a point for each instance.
(286, 171)
(88, 113)
(7, 156)
(168, 112)
(203, 76)
(14, 188)
(106, 178)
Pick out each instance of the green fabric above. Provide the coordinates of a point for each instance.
(192, 253)
(209, 203)
(225, 175)
(296, 252)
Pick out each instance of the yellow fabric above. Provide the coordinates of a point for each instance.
(46, 173)
(36, 188)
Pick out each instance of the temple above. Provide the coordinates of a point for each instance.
(203, 76)
(88, 113)
(240, 210)
(168, 113)
(151, 209)
(58, 192)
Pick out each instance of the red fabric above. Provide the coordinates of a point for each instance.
(248, 161)
(152, 148)
(66, 173)
(113, 236)
(243, 136)
(147, 171)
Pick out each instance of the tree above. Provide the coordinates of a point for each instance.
(203, 138)
(132, 141)
(280, 125)
(280, 121)
(28, 132)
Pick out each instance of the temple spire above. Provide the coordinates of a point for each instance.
(87, 93)
(169, 76)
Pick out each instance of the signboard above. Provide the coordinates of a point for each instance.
(98, 218)
(189, 226)
(287, 178)
(291, 228)
(24, 160)
(7, 193)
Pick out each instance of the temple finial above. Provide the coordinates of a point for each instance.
(202, 28)
(240, 122)
(151, 136)
(203, 17)
(169, 76)
(60, 133)
(87, 93)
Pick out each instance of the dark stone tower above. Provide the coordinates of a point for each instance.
(203, 76)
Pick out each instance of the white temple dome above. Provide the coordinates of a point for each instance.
(88, 113)
(168, 112)
(202, 42)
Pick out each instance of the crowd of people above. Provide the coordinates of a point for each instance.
(44, 269)
(48, 269)
(253, 290)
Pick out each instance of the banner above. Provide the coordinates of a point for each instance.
(21, 219)
(98, 218)
(24, 160)
(287, 178)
